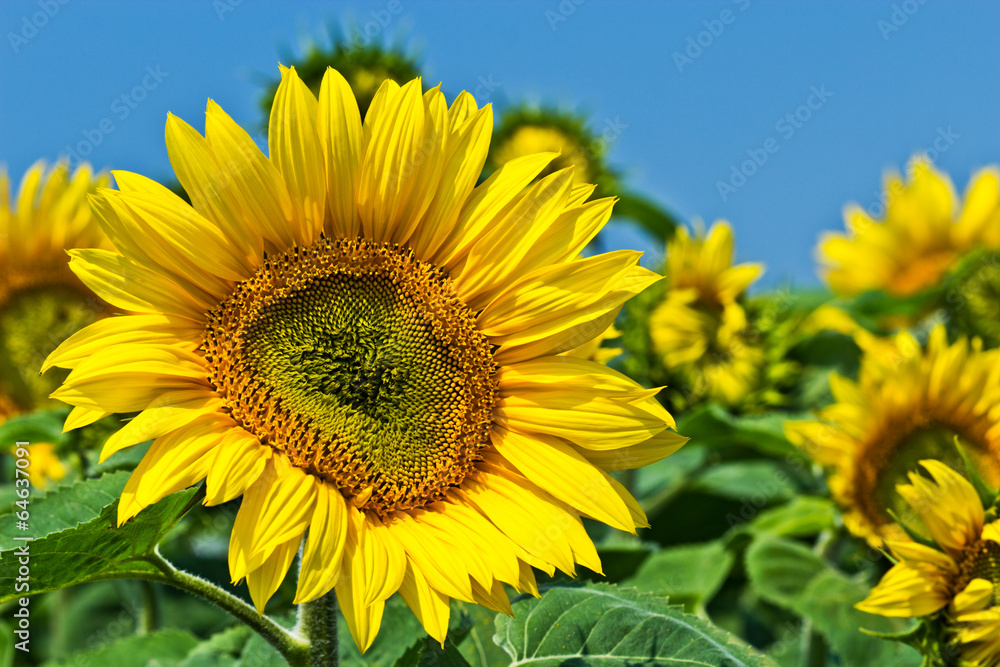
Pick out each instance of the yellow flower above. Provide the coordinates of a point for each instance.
(700, 330)
(921, 236)
(44, 466)
(527, 131)
(364, 344)
(960, 577)
(908, 404)
(41, 301)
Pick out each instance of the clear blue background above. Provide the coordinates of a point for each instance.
(893, 91)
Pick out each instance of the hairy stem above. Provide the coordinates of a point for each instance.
(318, 624)
(293, 648)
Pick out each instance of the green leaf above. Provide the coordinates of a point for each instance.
(34, 428)
(95, 549)
(690, 574)
(758, 483)
(614, 627)
(427, 652)
(220, 650)
(803, 516)
(63, 507)
(712, 426)
(165, 647)
(791, 576)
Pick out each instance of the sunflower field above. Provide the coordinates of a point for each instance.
(368, 381)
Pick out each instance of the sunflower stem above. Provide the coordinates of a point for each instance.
(318, 624)
(294, 650)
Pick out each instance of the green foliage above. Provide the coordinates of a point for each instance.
(689, 575)
(166, 647)
(95, 549)
(615, 627)
(792, 576)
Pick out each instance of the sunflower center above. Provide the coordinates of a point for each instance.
(932, 441)
(360, 363)
(33, 321)
(981, 561)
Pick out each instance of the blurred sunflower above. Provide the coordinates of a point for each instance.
(363, 343)
(41, 301)
(921, 237)
(528, 131)
(907, 405)
(362, 62)
(960, 576)
(700, 330)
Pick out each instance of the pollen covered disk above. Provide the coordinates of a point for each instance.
(360, 363)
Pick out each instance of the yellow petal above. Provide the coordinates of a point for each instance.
(908, 590)
(292, 139)
(949, 506)
(429, 606)
(554, 466)
(266, 579)
(362, 620)
(110, 331)
(487, 203)
(238, 462)
(174, 461)
(324, 552)
(391, 159)
(129, 286)
(255, 183)
(167, 412)
(660, 446)
(342, 142)
(277, 507)
(578, 416)
(212, 190)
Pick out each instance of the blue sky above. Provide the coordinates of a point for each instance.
(698, 88)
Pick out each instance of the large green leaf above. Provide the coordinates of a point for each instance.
(63, 507)
(95, 549)
(614, 627)
(790, 575)
(689, 574)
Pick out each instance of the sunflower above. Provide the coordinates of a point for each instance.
(907, 404)
(362, 62)
(958, 577)
(528, 131)
(921, 236)
(700, 329)
(41, 301)
(364, 344)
